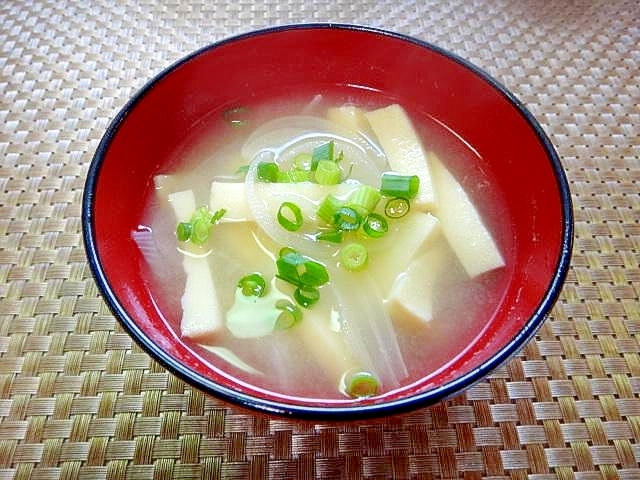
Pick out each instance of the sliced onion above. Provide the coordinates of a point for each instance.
(288, 136)
(367, 327)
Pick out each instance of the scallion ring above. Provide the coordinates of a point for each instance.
(327, 173)
(363, 199)
(333, 236)
(375, 226)
(300, 270)
(347, 219)
(353, 256)
(291, 314)
(290, 216)
(397, 207)
(253, 285)
(200, 230)
(303, 161)
(312, 273)
(268, 172)
(329, 208)
(361, 384)
(322, 152)
(306, 296)
(396, 185)
(183, 231)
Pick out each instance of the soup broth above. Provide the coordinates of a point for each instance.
(370, 323)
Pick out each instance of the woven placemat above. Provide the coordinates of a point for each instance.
(79, 400)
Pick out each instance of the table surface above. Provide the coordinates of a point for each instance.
(79, 400)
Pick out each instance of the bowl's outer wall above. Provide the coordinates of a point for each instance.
(252, 68)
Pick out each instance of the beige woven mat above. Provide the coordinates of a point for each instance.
(78, 400)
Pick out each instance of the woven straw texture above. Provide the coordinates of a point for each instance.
(79, 400)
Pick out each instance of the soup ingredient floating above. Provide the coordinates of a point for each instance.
(343, 227)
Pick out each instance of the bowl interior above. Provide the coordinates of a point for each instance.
(353, 64)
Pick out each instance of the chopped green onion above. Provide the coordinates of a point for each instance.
(375, 226)
(290, 315)
(328, 208)
(268, 172)
(200, 230)
(217, 215)
(290, 216)
(287, 266)
(328, 173)
(313, 274)
(306, 296)
(297, 175)
(396, 185)
(242, 169)
(282, 177)
(353, 256)
(333, 236)
(361, 384)
(397, 207)
(253, 285)
(303, 161)
(201, 222)
(322, 152)
(300, 270)
(346, 218)
(183, 232)
(198, 227)
(363, 199)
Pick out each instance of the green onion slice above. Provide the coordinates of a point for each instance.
(363, 199)
(282, 177)
(291, 314)
(353, 256)
(183, 231)
(200, 230)
(347, 219)
(268, 172)
(312, 273)
(397, 207)
(328, 173)
(396, 185)
(375, 226)
(322, 152)
(306, 296)
(290, 216)
(333, 236)
(297, 175)
(217, 215)
(198, 227)
(253, 285)
(328, 208)
(303, 161)
(300, 270)
(361, 384)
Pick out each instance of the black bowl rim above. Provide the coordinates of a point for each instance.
(355, 411)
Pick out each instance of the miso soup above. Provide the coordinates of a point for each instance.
(323, 249)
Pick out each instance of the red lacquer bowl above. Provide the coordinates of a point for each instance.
(354, 63)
